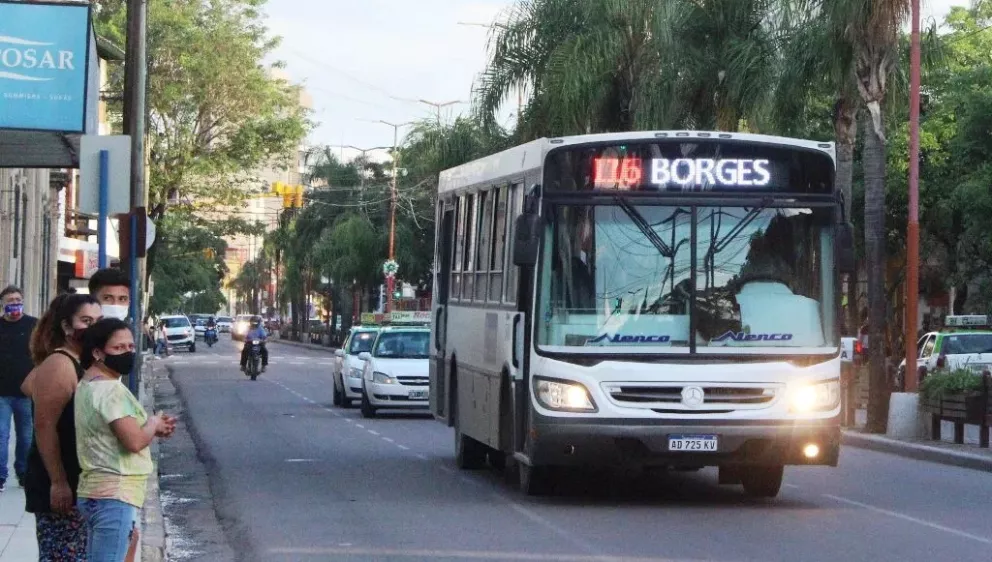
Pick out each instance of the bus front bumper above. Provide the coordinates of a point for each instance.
(571, 442)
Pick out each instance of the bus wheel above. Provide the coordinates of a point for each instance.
(762, 481)
(469, 453)
(534, 480)
(497, 459)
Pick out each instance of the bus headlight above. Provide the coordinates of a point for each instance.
(815, 397)
(382, 378)
(561, 395)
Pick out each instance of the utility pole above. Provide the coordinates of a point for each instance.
(391, 279)
(135, 84)
(911, 377)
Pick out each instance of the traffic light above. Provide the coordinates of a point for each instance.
(397, 294)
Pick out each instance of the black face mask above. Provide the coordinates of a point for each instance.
(121, 364)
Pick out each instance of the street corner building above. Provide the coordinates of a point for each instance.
(53, 69)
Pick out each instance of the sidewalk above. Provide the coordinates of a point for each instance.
(17, 539)
(969, 455)
(310, 346)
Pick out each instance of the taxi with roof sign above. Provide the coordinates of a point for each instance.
(964, 343)
(347, 369)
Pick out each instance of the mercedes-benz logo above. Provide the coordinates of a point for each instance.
(692, 396)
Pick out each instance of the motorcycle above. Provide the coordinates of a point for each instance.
(210, 336)
(254, 366)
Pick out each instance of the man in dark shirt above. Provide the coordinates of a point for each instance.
(15, 364)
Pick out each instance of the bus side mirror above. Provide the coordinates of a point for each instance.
(846, 262)
(526, 239)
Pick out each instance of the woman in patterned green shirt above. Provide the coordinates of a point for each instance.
(113, 433)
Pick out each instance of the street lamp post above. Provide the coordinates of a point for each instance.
(363, 152)
(437, 106)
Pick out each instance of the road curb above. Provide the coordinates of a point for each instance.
(304, 345)
(152, 522)
(918, 451)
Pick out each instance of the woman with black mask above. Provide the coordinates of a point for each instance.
(113, 434)
(53, 469)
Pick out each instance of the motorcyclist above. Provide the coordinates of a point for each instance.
(211, 325)
(255, 333)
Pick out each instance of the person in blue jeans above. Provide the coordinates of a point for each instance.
(15, 364)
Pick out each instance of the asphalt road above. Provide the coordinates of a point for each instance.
(295, 479)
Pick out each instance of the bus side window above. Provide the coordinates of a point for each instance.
(499, 246)
(471, 241)
(484, 244)
(459, 249)
(515, 200)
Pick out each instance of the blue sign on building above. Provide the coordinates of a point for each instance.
(44, 53)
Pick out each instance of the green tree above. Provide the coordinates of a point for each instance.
(215, 110)
(190, 265)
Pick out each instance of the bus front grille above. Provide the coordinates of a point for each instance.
(722, 397)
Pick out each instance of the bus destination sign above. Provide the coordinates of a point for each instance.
(681, 174)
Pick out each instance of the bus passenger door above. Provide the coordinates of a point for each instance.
(439, 314)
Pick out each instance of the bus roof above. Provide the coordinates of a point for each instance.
(519, 160)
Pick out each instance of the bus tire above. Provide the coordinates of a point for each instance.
(762, 481)
(534, 480)
(469, 453)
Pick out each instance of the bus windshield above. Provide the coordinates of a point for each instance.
(637, 276)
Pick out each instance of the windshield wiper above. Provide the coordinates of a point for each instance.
(638, 219)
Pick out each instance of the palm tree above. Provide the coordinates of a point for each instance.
(616, 66)
(873, 30)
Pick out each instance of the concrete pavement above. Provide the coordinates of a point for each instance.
(294, 479)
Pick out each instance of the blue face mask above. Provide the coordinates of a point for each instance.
(14, 310)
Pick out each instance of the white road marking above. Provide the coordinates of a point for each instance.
(793, 486)
(422, 457)
(405, 448)
(300, 460)
(911, 519)
(359, 426)
(382, 553)
(376, 433)
(388, 440)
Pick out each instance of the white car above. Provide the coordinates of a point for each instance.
(179, 331)
(347, 370)
(224, 324)
(200, 327)
(396, 371)
(241, 326)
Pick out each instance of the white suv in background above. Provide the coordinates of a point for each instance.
(179, 331)
(396, 371)
(347, 370)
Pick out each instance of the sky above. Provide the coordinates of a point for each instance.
(361, 59)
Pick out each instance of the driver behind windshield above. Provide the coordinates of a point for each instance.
(256, 333)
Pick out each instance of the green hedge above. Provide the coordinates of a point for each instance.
(942, 383)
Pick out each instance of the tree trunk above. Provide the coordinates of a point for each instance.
(878, 383)
(960, 299)
(846, 133)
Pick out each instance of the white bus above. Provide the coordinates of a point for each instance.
(666, 299)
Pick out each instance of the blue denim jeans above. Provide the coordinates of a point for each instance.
(108, 528)
(20, 410)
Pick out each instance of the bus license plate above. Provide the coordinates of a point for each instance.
(693, 443)
(418, 395)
